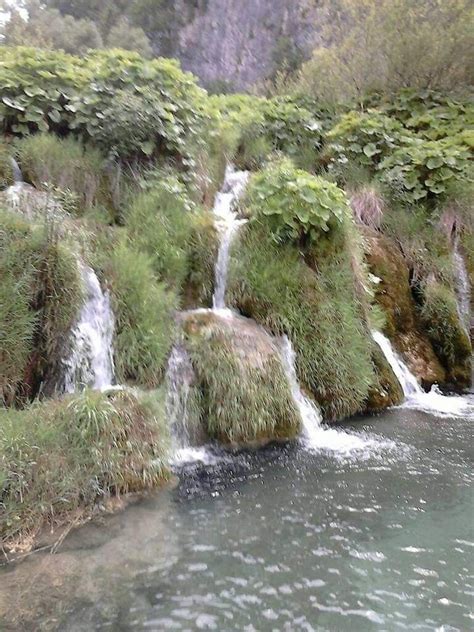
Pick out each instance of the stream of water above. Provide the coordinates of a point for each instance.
(280, 539)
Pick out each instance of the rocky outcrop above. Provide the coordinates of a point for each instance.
(240, 42)
(395, 297)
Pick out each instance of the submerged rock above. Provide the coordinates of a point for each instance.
(245, 394)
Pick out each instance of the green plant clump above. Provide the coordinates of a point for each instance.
(6, 171)
(316, 308)
(41, 292)
(295, 205)
(450, 341)
(60, 457)
(245, 395)
(144, 311)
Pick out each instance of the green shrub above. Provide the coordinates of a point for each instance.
(271, 125)
(41, 293)
(293, 204)
(58, 458)
(144, 313)
(365, 138)
(159, 223)
(129, 106)
(425, 169)
(64, 164)
(318, 310)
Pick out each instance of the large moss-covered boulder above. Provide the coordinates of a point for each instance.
(245, 396)
(394, 296)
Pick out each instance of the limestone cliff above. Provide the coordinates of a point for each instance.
(240, 42)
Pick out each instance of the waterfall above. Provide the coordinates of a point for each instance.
(316, 436)
(90, 362)
(415, 397)
(17, 175)
(227, 224)
(405, 377)
(463, 290)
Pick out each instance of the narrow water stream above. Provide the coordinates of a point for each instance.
(280, 539)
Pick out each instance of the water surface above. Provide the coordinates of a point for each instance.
(282, 539)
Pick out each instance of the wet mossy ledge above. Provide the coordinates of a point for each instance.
(64, 459)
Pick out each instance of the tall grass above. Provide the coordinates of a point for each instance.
(245, 395)
(6, 172)
(64, 164)
(40, 294)
(60, 457)
(144, 311)
(316, 307)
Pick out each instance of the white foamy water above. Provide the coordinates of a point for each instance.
(90, 361)
(415, 397)
(227, 224)
(317, 436)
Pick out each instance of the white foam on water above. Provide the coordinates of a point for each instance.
(316, 435)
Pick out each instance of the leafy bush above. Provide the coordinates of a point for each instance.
(58, 458)
(423, 169)
(293, 204)
(269, 125)
(364, 137)
(103, 97)
(144, 312)
(62, 163)
(316, 307)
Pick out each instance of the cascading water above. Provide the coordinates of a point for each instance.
(463, 289)
(90, 362)
(227, 224)
(17, 175)
(415, 397)
(180, 373)
(316, 436)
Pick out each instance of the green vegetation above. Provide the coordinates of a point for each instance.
(58, 458)
(40, 295)
(315, 306)
(293, 204)
(6, 172)
(64, 164)
(245, 395)
(450, 341)
(144, 310)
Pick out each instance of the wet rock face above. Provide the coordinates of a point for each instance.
(238, 41)
(402, 322)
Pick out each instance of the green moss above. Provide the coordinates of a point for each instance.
(144, 312)
(58, 458)
(6, 171)
(387, 391)
(315, 306)
(201, 258)
(245, 395)
(450, 341)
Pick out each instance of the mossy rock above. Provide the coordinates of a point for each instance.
(245, 395)
(388, 391)
(402, 321)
